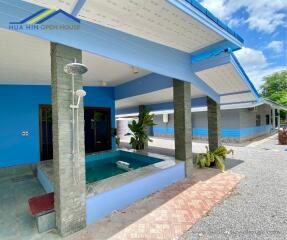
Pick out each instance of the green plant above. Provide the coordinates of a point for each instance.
(118, 141)
(139, 129)
(216, 156)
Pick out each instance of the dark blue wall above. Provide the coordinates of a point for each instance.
(20, 112)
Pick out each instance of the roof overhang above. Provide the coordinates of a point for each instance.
(181, 24)
(274, 104)
(224, 74)
(158, 36)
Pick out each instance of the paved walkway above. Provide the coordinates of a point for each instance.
(166, 214)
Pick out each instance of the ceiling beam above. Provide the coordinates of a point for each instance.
(78, 6)
(195, 102)
(234, 93)
(211, 62)
(146, 84)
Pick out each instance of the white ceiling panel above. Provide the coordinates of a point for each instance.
(18, 67)
(223, 79)
(154, 20)
(66, 5)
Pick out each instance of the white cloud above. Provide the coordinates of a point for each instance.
(276, 46)
(251, 58)
(263, 16)
(255, 65)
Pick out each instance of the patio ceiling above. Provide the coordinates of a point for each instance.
(227, 83)
(160, 96)
(187, 34)
(158, 21)
(26, 60)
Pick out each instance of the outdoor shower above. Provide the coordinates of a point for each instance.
(75, 69)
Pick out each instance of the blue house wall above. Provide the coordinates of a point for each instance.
(20, 112)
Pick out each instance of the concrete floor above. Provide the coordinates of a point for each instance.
(17, 185)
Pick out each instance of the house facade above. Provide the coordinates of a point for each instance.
(160, 54)
(238, 123)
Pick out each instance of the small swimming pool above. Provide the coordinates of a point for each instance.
(102, 166)
(111, 188)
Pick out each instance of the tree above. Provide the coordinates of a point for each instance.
(275, 88)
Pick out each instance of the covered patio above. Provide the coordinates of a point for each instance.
(152, 53)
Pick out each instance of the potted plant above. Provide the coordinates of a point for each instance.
(217, 156)
(139, 129)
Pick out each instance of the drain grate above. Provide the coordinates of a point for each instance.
(22, 178)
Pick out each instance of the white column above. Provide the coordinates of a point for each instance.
(278, 118)
(273, 118)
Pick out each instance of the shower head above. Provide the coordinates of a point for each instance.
(75, 68)
(80, 93)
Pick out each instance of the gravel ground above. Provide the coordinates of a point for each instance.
(257, 209)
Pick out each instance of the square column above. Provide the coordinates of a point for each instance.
(279, 123)
(213, 116)
(70, 195)
(182, 124)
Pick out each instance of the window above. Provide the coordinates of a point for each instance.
(258, 120)
(267, 119)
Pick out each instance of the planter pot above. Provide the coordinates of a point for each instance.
(282, 136)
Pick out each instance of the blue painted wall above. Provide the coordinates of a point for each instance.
(20, 112)
(225, 132)
(102, 204)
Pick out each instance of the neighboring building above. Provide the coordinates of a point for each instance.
(239, 122)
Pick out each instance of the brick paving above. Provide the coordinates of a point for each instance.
(166, 214)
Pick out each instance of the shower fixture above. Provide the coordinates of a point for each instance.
(80, 93)
(75, 69)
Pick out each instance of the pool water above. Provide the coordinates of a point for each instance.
(103, 166)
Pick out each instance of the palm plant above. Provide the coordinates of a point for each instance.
(139, 129)
(216, 156)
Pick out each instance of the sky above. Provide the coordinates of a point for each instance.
(263, 26)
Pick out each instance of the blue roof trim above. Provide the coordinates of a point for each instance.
(202, 9)
(245, 75)
(213, 50)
